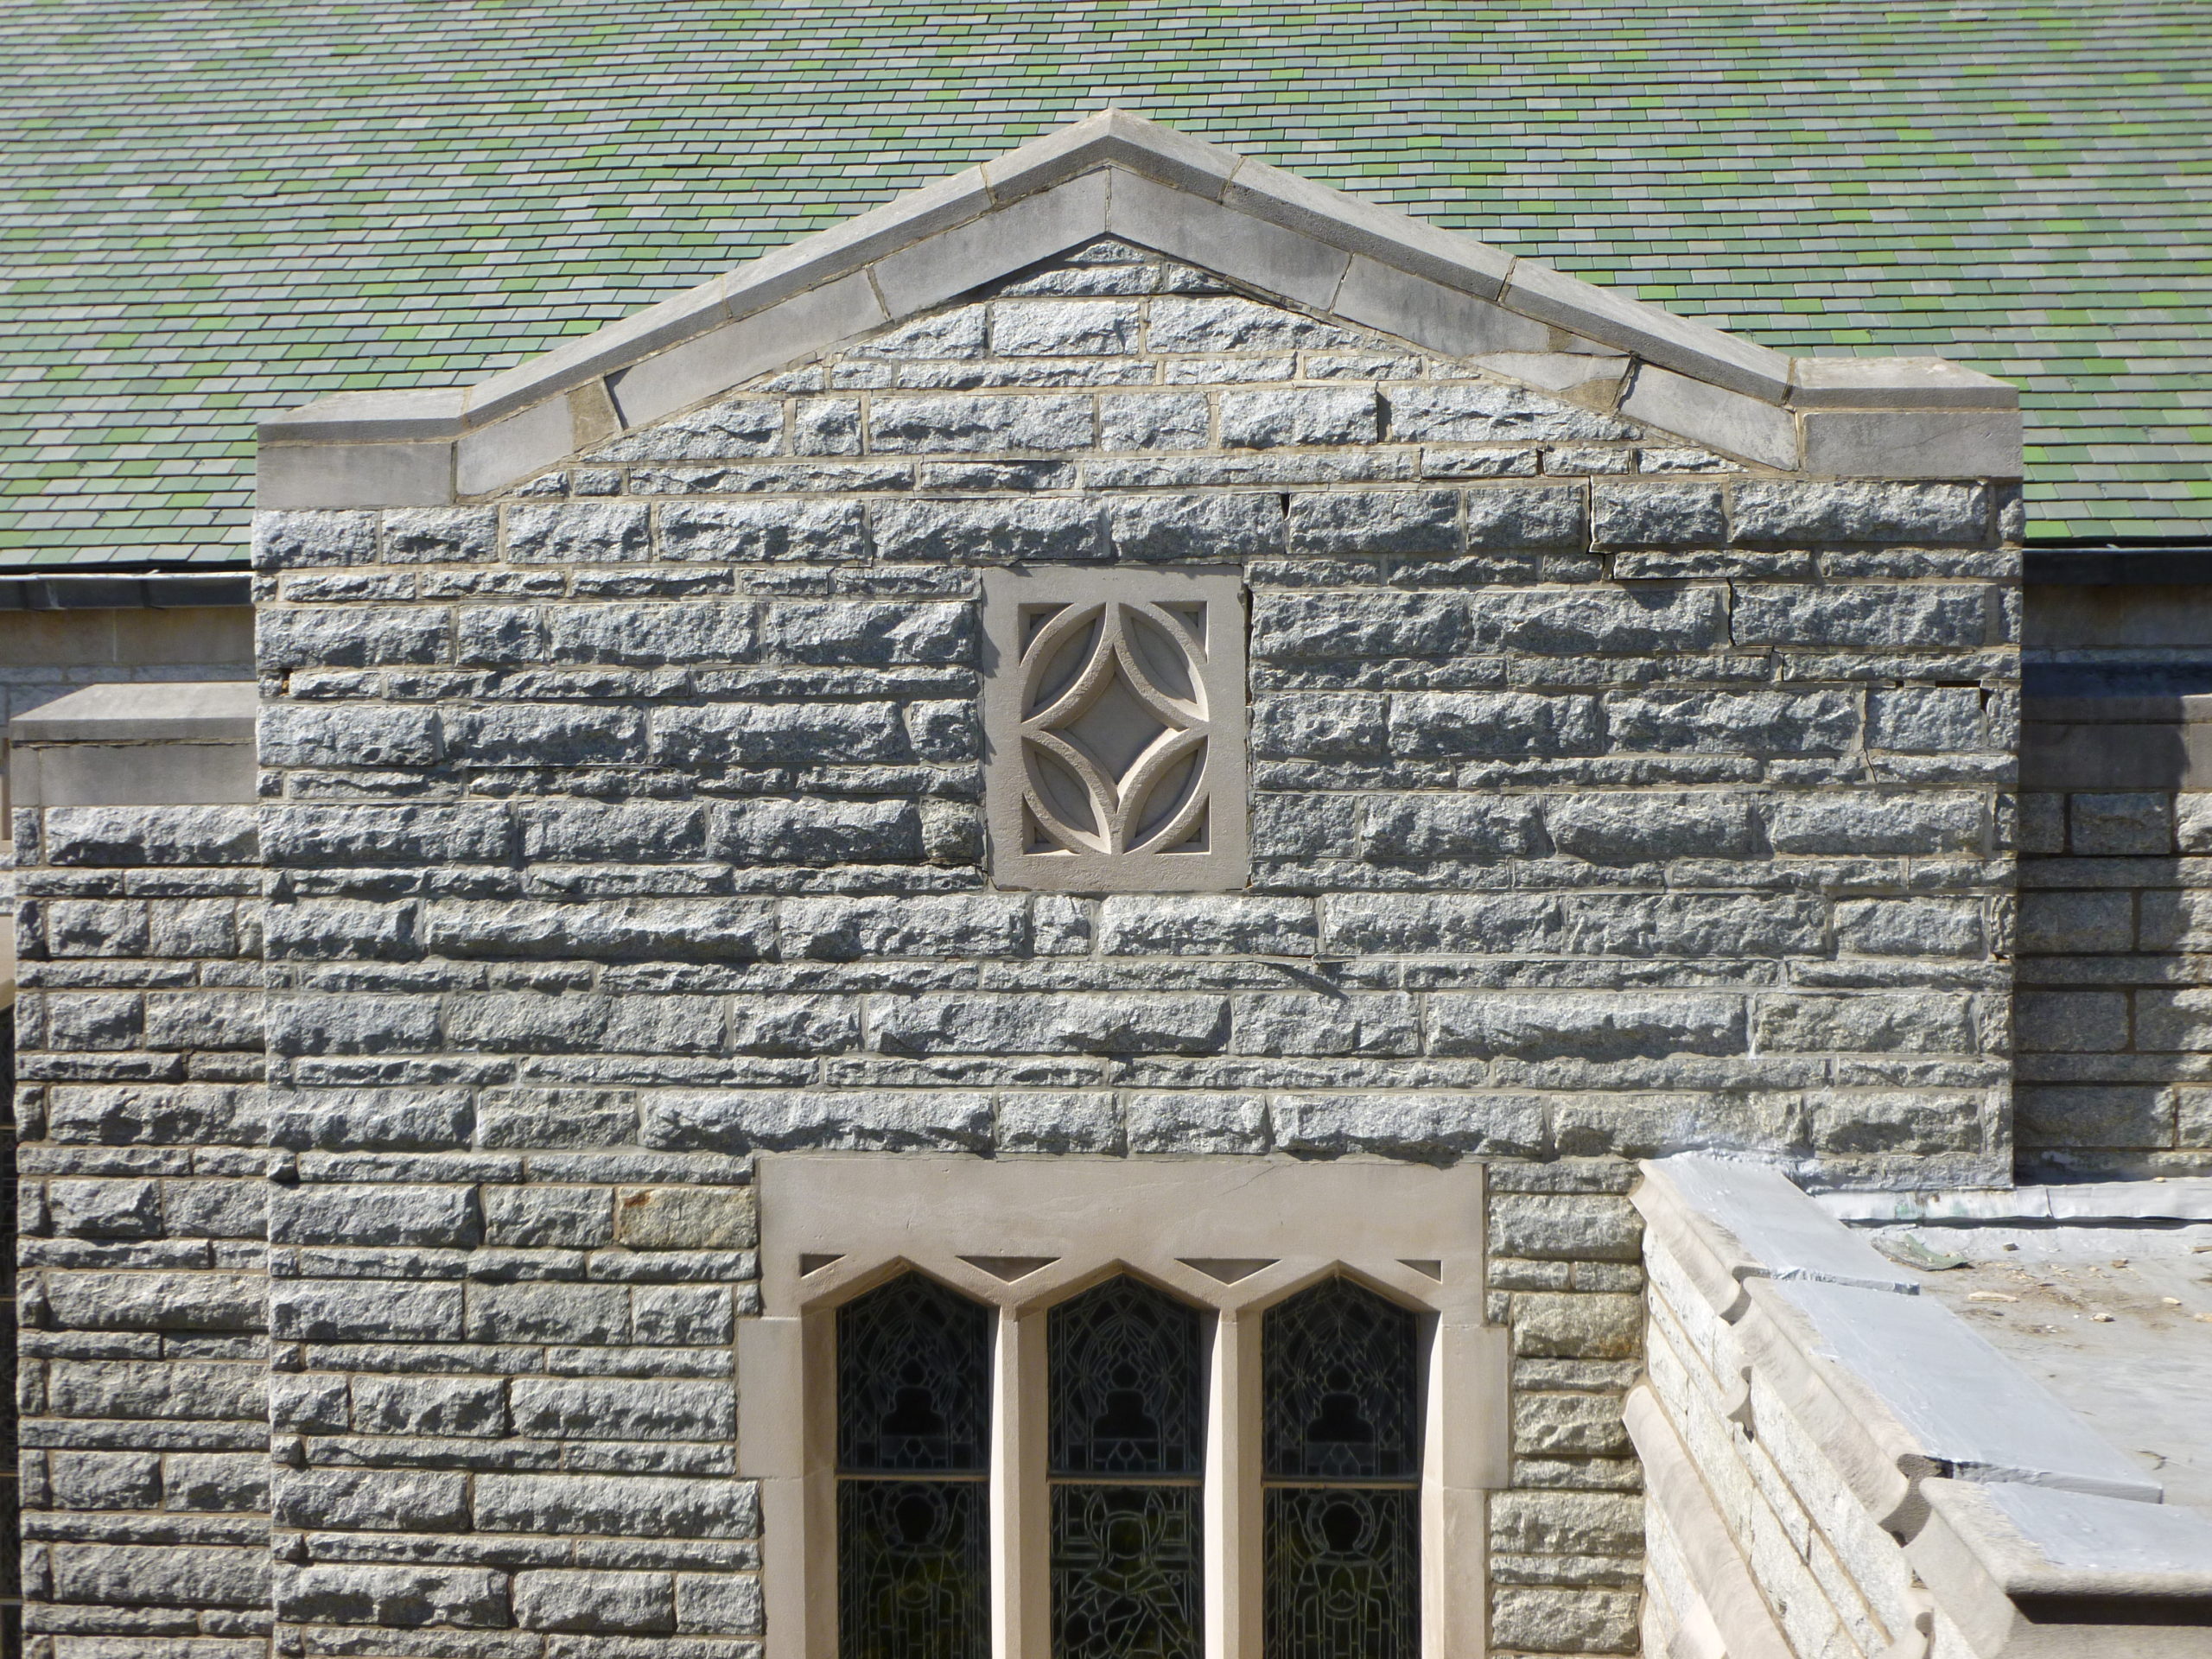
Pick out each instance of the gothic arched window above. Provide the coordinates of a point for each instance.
(1126, 1426)
(1340, 1456)
(913, 1466)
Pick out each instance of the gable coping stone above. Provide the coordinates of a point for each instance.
(1117, 174)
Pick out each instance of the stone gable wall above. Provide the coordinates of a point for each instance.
(1607, 799)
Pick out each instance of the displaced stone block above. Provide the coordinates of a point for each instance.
(1630, 828)
(1568, 1425)
(2106, 1116)
(1048, 530)
(1172, 420)
(1320, 726)
(633, 1506)
(395, 1500)
(1468, 724)
(1864, 1022)
(1421, 827)
(1584, 1025)
(724, 1603)
(1428, 1124)
(832, 632)
(396, 1598)
(1861, 615)
(1190, 528)
(1925, 719)
(577, 532)
(1227, 324)
(2063, 924)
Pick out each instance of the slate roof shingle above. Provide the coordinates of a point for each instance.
(223, 208)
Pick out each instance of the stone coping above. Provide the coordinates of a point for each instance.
(155, 743)
(205, 711)
(2031, 1532)
(1963, 1407)
(2089, 1201)
(1115, 174)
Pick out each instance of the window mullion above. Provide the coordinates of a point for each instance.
(1021, 1498)
(1232, 1490)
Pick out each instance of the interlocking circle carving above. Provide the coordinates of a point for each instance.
(1115, 727)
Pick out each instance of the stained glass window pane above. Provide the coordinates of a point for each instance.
(1343, 1572)
(1125, 1572)
(1340, 1453)
(913, 1400)
(1126, 1445)
(1127, 1384)
(1336, 1377)
(913, 1380)
(912, 1569)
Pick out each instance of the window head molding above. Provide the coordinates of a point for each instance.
(1114, 726)
(1232, 1238)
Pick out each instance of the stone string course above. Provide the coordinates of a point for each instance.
(1606, 800)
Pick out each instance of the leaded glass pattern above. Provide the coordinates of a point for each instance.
(913, 1381)
(1126, 1430)
(1126, 1383)
(1125, 1572)
(1343, 1572)
(914, 1569)
(1336, 1376)
(913, 1400)
(1340, 1452)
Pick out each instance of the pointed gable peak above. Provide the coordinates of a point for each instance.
(1268, 231)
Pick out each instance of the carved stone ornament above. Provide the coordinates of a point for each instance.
(1114, 725)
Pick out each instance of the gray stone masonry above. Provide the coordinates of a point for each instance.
(1608, 798)
(2114, 1010)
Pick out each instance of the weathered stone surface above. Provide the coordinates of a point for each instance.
(979, 425)
(1860, 511)
(1473, 412)
(1362, 523)
(1273, 419)
(1633, 828)
(1047, 530)
(1657, 515)
(1334, 626)
(1471, 724)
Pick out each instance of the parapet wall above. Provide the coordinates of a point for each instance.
(1837, 1466)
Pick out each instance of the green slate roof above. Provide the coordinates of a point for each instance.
(217, 208)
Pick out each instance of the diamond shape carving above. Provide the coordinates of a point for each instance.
(1114, 713)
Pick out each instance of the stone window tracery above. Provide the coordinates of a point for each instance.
(1205, 1394)
(1114, 715)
